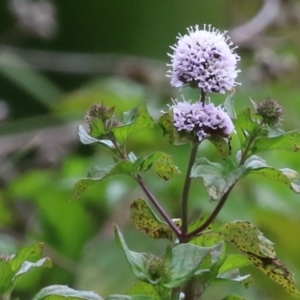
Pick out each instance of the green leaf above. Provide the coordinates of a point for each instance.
(97, 128)
(142, 297)
(27, 266)
(138, 261)
(24, 254)
(118, 297)
(186, 259)
(6, 277)
(288, 177)
(252, 243)
(234, 297)
(209, 267)
(148, 222)
(59, 292)
(132, 121)
(234, 261)
(245, 126)
(222, 145)
(100, 173)
(229, 105)
(287, 141)
(217, 177)
(161, 163)
(208, 238)
(145, 289)
(125, 297)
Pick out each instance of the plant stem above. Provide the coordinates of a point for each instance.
(211, 218)
(221, 203)
(202, 99)
(185, 193)
(157, 205)
(245, 152)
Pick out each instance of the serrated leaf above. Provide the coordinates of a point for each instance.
(6, 277)
(288, 177)
(276, 270)
(132, 121)
(148, 222)
(145, 289)
(247, 238)
(104, 171)
(252, 243)
(217, 177)
(27, 266)
(81, 186)
(138, 261)
(161, 163)
(234, 297)
(287, 141)
(100, 173)
(59, 292)
(186, 260)
(222, 145)
(245, 126)
(229, 105)
(24, 254)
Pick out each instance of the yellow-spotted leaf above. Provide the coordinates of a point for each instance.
(148, 222)
(260, 251)
(161, 163)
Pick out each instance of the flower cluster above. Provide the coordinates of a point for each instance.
(204, 59)
(202, 119)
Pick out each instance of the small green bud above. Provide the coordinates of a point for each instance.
(270, 111)
(156, 268)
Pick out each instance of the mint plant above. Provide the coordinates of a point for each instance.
(196, 256)
(203, 60)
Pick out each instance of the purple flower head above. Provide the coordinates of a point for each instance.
(204, 59)
(204, 120)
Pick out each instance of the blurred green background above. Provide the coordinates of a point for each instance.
(57, 58)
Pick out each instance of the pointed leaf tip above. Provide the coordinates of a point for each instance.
(252, 243)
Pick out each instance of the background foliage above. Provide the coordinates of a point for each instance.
(104, 51)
